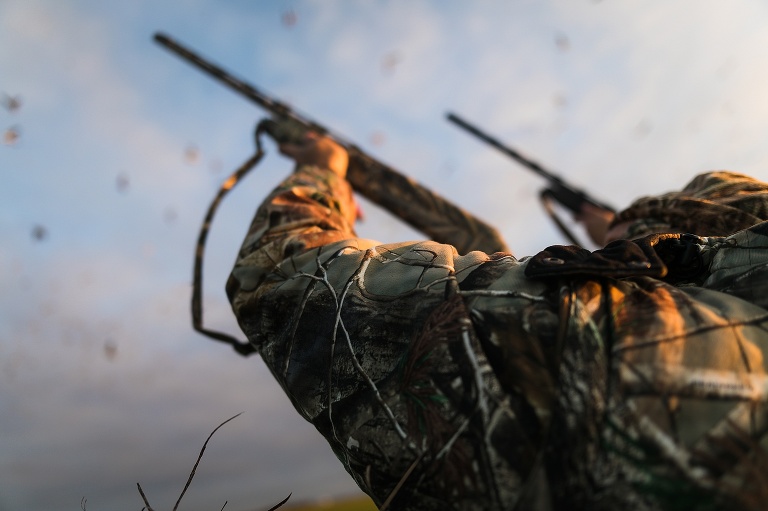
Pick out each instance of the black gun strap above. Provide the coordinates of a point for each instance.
(242, 347)
(547, 199)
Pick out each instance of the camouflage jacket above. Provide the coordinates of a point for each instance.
(630, 378)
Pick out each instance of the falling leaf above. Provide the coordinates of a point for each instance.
(11, 135)
(562, 42)
(11, 103)
(191, 154)
(289, 18)
(122, 182)
(39, 233)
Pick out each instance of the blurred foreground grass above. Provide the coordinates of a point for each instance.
(360, 502)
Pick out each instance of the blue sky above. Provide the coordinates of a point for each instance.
(120, 146)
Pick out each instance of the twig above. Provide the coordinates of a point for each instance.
(400, 482)
(191, 475)
(199, 457)
(144, 498)
(279, 504)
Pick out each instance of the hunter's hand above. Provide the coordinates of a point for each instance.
(318, 150)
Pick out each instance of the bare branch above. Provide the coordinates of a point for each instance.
(199, 457)
(144, 498)
(279, 504)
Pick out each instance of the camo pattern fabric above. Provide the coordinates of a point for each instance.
(452, 381)
(712, 204)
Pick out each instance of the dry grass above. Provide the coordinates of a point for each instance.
(148, 507)
(348, 504)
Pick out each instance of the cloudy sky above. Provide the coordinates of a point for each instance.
(112, 148)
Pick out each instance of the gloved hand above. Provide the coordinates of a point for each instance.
(320, 151)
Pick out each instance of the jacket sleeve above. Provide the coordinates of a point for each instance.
(376, 346)
(478, 388)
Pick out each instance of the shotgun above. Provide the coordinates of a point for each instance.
(408, 200)
(413, 203)
(567, 195)
(557, 189)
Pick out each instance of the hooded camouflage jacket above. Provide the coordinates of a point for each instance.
(631, 378)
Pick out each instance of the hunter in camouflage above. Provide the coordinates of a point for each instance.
(629, 378)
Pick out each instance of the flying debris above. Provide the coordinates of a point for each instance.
(110, 349)
(122, 182)
(170, 215)
(562, 42)
(643, 128)
(289, 18)
(378, 138)
(560, 100)
(390, 62)
(11, 103)
(191, 154)
(12, 135)
(39, 233)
